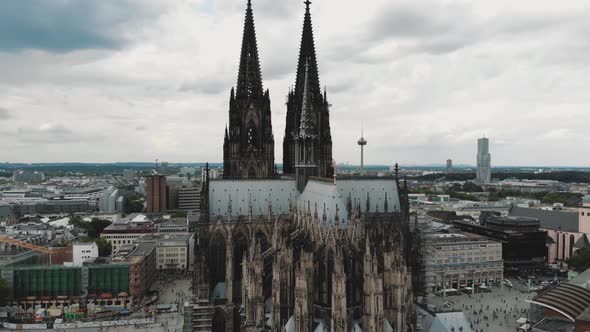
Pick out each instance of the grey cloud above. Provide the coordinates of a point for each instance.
(406, 22)
(48, 134)
(272, 9)
(430, 76)
(341, 86)
(62, 26)
(4, 114)
(278, 68)
(208, 86)
(443, 45)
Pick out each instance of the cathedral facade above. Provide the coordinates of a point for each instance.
(302, 250)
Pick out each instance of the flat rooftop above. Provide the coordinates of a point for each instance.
(166, 238)
(456, 236)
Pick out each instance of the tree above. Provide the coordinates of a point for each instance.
(96, 226)
(568, 199)
(77, 221)
(580, 261)
(463, 196)
(456, 187)
(133, 204)
(104, 247)
(471, 187)
(179, 214)
(93, 228)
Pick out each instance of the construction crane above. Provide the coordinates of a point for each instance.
(23, 244)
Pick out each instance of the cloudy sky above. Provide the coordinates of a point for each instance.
(136, 80)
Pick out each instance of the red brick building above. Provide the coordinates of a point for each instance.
(157, 194)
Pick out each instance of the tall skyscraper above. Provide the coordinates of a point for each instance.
(484, 161)
(157, 193)
(449, 166)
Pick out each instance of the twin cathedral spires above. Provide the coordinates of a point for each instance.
(249, 141)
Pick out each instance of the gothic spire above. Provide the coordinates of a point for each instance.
(307, 53)
(307, 126)
(249, 77)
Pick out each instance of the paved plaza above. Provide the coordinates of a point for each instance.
(490, 312)
(174, 290)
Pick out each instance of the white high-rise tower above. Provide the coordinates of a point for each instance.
(484, 161)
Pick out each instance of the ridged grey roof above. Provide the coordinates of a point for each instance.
(281, 193)
(239, 194)
(356, 190)
(568, 221)
(319, 194)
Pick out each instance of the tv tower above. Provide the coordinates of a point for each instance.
(362, 142)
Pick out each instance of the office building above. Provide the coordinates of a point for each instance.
(567, 229)
(49, 207)
(523, 243)
(107, 201)
(127, 230)
(449, 166)
(141, 258)
(173, 226)
(458, 260)
(484, 162)
(157, 194)
(189, 198)
(173, 250)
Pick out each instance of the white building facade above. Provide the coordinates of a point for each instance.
(82, 252)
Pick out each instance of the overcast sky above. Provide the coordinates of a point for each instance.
(136, 80)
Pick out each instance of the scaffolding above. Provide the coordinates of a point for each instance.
(53, 282)
(199, 313)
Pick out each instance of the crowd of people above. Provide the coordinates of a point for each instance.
(497, 311)
(501, 313)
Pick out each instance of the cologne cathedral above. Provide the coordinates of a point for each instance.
(300, 250)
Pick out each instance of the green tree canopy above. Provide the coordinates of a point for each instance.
(133, 204)
(580, 261)
(93, 228)
(568, 199)
(104, 247)
(471, 187)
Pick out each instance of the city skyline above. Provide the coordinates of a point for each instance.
(425, 83)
